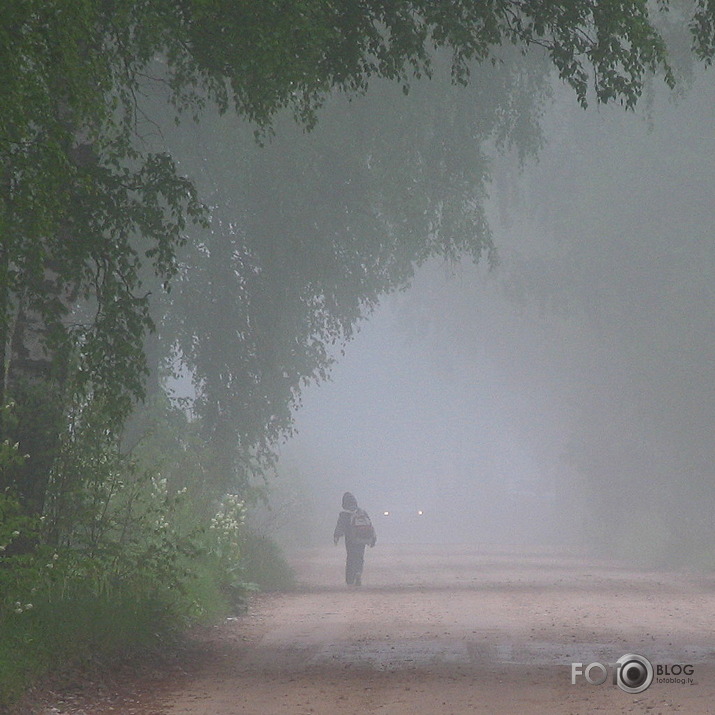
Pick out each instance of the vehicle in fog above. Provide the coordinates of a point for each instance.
(406, 524)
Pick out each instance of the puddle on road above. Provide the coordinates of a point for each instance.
(397, 655)
(409, 654)
(547, 653)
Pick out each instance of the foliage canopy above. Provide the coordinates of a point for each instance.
(78, 189)
(87, 211)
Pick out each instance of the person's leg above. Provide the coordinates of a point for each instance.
(350, 564)
(359, 561)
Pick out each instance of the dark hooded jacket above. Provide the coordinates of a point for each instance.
(342, 528)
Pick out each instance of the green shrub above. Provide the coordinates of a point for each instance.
(264, 564)
(64, 633)
(119, 561)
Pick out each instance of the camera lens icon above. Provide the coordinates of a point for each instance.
(635, 673)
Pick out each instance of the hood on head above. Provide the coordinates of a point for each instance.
(349, 501)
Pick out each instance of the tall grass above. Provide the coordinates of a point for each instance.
(55, 635)
(264, 564)
(78, 624)
(119, 561)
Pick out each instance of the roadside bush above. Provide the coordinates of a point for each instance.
(119, 561)
(62, 604)
(264, 564)
(55, 635)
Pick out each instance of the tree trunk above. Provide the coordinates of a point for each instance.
(34, 359)
(34, 380)
(5, 327)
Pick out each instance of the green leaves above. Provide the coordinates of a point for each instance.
(89, 211)
(80, 192)
(308, 232)
(276, 55)
(702, 28)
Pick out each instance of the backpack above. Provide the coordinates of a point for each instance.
(361, 529)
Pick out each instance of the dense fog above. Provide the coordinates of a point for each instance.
(264, 263)
(564, 396)
(560, 394)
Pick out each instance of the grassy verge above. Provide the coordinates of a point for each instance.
(60, 634)
(55, 635)
(265, 565)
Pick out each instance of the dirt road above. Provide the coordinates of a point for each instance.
(451, 630)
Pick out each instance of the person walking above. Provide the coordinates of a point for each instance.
(355, 526)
